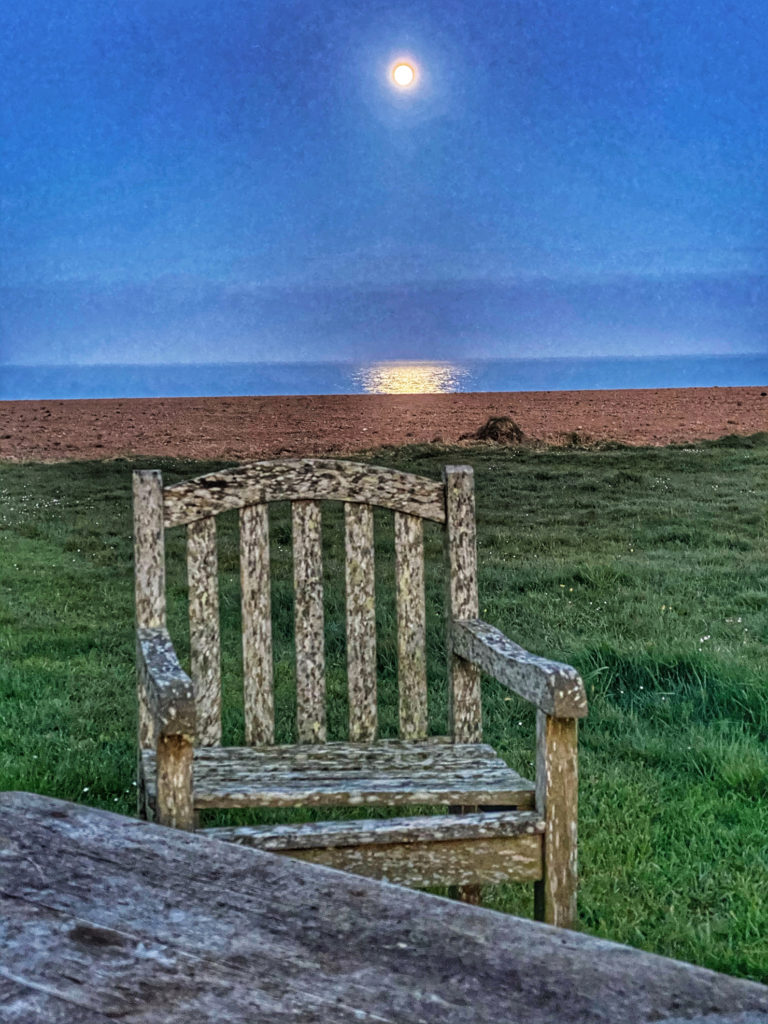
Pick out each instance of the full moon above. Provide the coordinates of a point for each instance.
(403, 74)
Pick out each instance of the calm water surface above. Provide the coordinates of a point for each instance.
(383, 377)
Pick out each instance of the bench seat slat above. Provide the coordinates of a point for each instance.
(421, 851)
(349, 774)
(328, 834)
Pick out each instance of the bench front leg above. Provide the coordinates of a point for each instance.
(167, 720)
(557, 788)
(175, 806)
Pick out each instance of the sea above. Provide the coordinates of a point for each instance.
(381, 377)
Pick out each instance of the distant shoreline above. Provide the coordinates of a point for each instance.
(249, 428)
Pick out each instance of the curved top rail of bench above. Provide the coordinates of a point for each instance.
(301, 479)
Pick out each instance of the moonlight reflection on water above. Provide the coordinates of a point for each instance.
(410, 378)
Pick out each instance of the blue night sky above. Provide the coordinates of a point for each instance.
(212, 180)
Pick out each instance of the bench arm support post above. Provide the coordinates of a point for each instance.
(166, 695)
(557, 692)
(557, 794)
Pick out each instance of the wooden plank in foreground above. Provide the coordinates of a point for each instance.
(216, 933)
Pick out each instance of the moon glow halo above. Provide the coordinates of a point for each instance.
(403, 74)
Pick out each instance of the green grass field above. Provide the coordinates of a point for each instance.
(647, 569)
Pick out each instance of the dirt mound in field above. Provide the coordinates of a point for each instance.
(502, 429)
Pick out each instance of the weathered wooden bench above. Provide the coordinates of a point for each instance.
(499, 826)
(106, 918)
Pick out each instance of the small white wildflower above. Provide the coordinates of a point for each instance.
(86, 788)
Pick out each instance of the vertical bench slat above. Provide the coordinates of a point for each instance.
(310, 643)
(361, 622)
(257, 625)
(411, 631)
(204, 643)
(462, 602)
(149, 560)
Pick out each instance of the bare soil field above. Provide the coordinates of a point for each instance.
(266, 427)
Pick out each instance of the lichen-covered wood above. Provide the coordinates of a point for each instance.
(303, 479)
(310, 641)
(146, 721)
(173, 801)
(462, 601)
(361, 621)
(411, 626)
(457, 771)
(461, 862)
(204, 641)
(149, 548)
(387, 831)
(149, 574)
(557, 794)
(551, 686)
(257, 625)
(169, 690)
(350, 774)
(106, 918)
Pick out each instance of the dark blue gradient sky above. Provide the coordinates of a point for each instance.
(216, 179)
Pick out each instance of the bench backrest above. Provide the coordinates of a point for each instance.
(306, 482)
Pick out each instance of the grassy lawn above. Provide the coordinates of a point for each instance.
(647, 569)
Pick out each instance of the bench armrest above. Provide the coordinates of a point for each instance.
(168, 690)
(554, 688)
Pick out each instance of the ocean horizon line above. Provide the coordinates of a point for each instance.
(19, 382)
